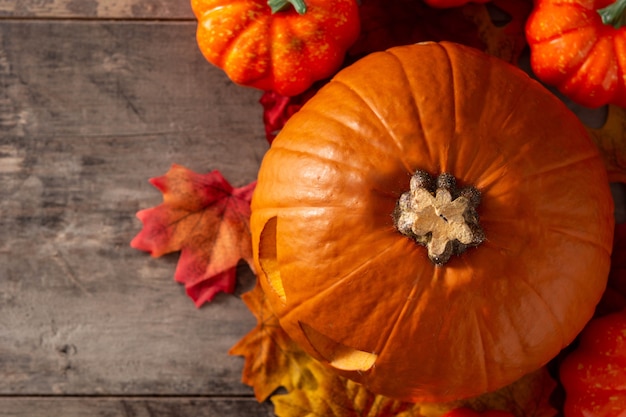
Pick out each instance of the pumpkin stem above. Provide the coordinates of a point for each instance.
(279, 5)
(435, 214)
(613, 14)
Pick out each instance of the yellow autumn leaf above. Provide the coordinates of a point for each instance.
(335, 396)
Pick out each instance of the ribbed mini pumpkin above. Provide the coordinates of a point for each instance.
(433, 223)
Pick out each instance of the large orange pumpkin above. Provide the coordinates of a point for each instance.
(433, 223)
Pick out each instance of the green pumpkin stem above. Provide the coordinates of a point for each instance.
(613, 14)
(279, 5)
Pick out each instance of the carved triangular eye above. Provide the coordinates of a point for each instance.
(268, 258)
(338, 355)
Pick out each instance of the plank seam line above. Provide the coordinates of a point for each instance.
(127, 396)
(98, 19)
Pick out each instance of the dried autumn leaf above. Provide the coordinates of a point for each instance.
(335, 396)
(272, 359)
(611, 140)
(501, 26)
(207, 220)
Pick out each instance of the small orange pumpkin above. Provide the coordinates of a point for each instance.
(433, 223)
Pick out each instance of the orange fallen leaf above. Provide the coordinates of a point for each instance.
(273, 361)
(611, 140)
(207, 220)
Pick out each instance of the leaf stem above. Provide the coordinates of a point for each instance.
(613, 14)
(279, 5)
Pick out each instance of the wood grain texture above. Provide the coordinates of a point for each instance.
(96, 97)
(132, 407)
(89, 111)
(104, 9)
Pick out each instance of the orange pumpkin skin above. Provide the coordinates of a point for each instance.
(365, 299)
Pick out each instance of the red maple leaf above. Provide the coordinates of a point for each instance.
(277, 109)
(207, 220)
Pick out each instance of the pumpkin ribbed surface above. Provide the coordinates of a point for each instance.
(359, 295)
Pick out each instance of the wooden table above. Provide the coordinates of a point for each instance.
(96, 97)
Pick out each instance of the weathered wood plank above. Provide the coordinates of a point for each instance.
(103, 9)
(90, 111)
(135, 407)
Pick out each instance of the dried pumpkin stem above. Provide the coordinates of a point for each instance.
(437, 215)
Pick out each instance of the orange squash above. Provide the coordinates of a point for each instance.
(277, 45)
(433, 223)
